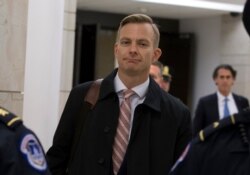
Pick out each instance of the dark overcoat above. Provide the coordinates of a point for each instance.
(161, 130)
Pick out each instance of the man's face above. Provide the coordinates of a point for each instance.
(224, 81)
(165, 85)
(155, 73)
(134, 49)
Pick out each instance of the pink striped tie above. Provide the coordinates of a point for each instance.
(122, 131)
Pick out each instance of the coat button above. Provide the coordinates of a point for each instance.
(106, 129)
(101, 161)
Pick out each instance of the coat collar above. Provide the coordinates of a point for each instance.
(153, 96)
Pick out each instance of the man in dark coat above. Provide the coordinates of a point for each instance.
(221, 148)
(246, 16)
(20, 150)
(160, 125)
(211, 107)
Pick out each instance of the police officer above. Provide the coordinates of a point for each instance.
(20, 150)
(222, 148)
(167, 78)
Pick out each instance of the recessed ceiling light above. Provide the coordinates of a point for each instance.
(143, 10)
(200, 4)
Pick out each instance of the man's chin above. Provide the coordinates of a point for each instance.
(132, 72)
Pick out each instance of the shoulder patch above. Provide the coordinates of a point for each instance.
(33, 152)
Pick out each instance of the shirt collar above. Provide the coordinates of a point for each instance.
(140, 90)
(222, 97)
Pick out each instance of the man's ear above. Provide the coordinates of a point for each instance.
(215, 82)
(157, 54)
(115, 48)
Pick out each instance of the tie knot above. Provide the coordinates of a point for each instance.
(226, 99)
(128, 93)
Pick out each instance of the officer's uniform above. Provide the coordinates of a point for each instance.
(220, 149)
(20, 150)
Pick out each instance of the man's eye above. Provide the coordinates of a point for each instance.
(124, 42)
(143, 44)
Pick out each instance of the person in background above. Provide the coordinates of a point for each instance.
(221, 148)
(21, 152)
(155, 72)
(135, 127)
(222, 103)
(160, 74)
(246, 16)
(167, 78)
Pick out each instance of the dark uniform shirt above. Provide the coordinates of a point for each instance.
(220, 149)
(20, 150)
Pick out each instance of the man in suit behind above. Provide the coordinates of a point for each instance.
(211, 107)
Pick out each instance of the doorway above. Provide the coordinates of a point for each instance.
(177, 53)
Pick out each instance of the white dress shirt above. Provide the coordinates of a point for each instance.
(231, 104)
(136, 99)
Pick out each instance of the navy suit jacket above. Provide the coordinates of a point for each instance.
(207, 110)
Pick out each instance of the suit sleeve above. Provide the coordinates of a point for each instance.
(59, 152)
(198, 123)
(245, 103)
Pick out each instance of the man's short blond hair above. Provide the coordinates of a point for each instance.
(140, 19)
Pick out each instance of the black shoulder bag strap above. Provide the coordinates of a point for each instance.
(89, 102)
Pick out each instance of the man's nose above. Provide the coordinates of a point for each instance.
(133, 47)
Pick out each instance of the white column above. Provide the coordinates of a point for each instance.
(207, 54)
(43, 68)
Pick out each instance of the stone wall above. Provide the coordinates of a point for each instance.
(13, 28)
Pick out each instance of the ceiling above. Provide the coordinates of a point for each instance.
(152, 9)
